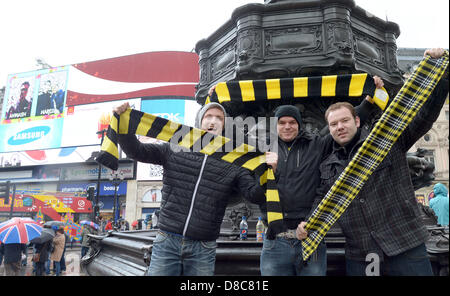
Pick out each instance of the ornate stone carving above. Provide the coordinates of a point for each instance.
(369, 50)
(293, 41)
(339, 37)
(249, 46)
(223, 62)
(289, 38)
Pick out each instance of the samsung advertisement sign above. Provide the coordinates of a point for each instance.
(31, 135)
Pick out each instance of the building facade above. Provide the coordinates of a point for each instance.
(52, 124)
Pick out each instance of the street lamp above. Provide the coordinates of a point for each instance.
(115, 178)
(96, 208)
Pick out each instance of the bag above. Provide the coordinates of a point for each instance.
(36, 257)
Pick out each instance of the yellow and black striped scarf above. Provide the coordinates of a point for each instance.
(387, 130)
(247, 156)
(340, 86)
(241, 154)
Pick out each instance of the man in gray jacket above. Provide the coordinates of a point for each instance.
(195, 193)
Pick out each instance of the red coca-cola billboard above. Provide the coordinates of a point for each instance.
(150, 74)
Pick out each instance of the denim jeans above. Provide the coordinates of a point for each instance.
(57, 268)
(414, 262)
(84, 251)
(40, 268)
(284, 257)
(174, 255)
(47, 265)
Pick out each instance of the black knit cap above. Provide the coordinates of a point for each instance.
(288, 110)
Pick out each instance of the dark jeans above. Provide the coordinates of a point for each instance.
(84, 251)
(284, 257)
(174, 255)
(414, 262)
(40, 268)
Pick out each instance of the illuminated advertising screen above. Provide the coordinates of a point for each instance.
(33, 110)
(35, 95)
(31, 135)
(171, 108)
(82, 122)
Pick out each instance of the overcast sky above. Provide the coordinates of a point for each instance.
(68, 32)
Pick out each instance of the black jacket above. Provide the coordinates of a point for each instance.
(13, 252)
(196, 188)
(384, 217)
(43, 250)
(297, 174)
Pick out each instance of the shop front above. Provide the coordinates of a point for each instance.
(106, 196)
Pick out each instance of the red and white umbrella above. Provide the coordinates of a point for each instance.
(19, 230)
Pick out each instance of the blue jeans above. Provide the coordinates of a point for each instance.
(174, 255)
(84, 251)
(58, 268)
(414, 262)
(284, 257)
(47, 265)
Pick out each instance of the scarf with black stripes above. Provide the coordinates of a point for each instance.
(242, 154)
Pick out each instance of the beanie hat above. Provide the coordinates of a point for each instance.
(202, 111)
(288, 110)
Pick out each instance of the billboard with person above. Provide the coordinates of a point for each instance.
(51, 93)
(18, 97)
(35, 95)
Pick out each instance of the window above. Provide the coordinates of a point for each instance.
(429, 156)
(427, 138)
(152, 195)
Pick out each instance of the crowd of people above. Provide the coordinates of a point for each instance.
(47, 257)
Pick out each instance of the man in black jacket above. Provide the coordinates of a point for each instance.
(297, 175)
(13, 258)
(383, 223)
(43, 250)
(195, 193)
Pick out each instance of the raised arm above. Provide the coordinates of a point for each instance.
(133, 148)
(429, 112)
